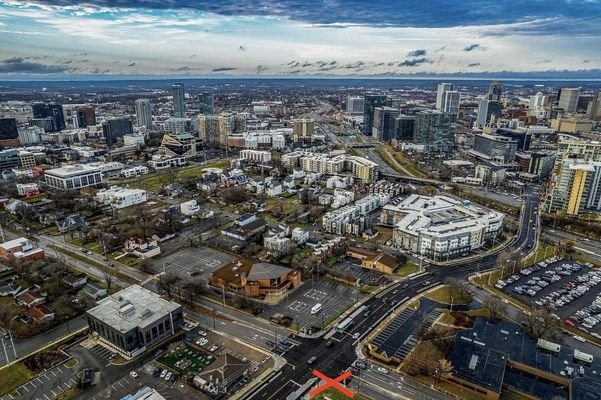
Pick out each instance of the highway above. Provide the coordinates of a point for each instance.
(332, 361)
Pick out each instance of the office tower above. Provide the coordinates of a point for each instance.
(495, 148)
(435, 130)
(440, 94)
(143, 113)
(8, 129)
(538, 100)
(179, 100)
(495, 89)
(451, 102)
(594, 108)
(53, 111)
(370, 102)
(383, 126)
(206, 103)
(568, 99)
(86, 116)
(524, 138)
(30, 135)
(487, 109)
(303, 130)
(404, 127)
(116, 128)
(226, 124)
(354, 104)
(208, 130)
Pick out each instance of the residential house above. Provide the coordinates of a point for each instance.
(31, 298)
(20, 249)
(40, 314)
(375, 260)
(94, 290)
(75, 281)
(142, 248)
(246, 227)
(71, 223)
(299, 235)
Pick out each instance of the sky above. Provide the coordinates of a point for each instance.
(379, 38)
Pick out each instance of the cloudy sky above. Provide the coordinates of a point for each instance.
(297, 37)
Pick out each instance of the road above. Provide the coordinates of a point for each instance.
(342, 354)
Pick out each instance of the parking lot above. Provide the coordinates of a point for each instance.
(567, 288)
(46, 386)
(192, 262)
(334, 299)
(351, 266)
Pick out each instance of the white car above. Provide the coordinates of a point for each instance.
(133, 374)
(356, 335)
(168, 376)
(579, 338)
(382, 370)
(163, 373)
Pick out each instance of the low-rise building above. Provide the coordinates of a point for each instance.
(189, 208)
(375, 260)
(20, 249)
(73, 177)
(300, 235)
(134, 319)
(75, 281)
(119, 197)
(142, 248)
(94, 290)
(27, 189)
(134, 171)
(31, 298)
(255, 280)
(441, 228)
(40, 314)
(245, 227)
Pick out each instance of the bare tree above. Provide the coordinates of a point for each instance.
(494, 305)
(443, 369)
(540, 323)
(167, 283)
(458, 290)
(193, 289)
(108, 276)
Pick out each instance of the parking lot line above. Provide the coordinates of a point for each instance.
(72, 380)
(46, 396)
(54, 394)
(25, 387)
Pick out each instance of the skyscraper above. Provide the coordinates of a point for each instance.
(179, 100)
(86, 116)
(436, 131)
(371, 101)
(486, 109)
(116, 128)
(495, 89)
(206, 103)
(208, 130)
(53, 111)
(594, 107)
(8, 129)
(383, 128)
(143, 113)
(568, 99)
(354, 104)
(440, 94)
(451, 102)
(404, 127)
(303, 130)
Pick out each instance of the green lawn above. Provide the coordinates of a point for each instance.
(13, 377)
(407, 269)
(193, 360)
(442, 295)
(539, 254)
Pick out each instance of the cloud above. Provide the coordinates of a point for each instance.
(414, 62)
(19, 65)
(223, 69)
(471, 47)
(132, 64)
(417, 53)
(261, 69)
(473, 65)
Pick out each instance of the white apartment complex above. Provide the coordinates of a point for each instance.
(119, 197)
(258, 156)
(134, 171)
(441, 228)
(327, 164)
(353, 219)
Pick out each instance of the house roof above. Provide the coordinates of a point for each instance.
(385, 259)
(223, 368)
(39, 312)
(28, 297)
(261, 271)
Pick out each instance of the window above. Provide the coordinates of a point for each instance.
(154, 332)
(147, 337)
(161, 329)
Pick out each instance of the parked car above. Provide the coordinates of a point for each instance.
(133, 374)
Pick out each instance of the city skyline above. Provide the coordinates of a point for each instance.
(286, 39)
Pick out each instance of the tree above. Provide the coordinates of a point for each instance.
(193, 289)
(167, 283)
(401, 258)
(540, 323)
(108, 276)
(443, 369)
(458, 290)
(494, 305)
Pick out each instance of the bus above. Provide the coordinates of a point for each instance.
(345, 324)
(316, 308)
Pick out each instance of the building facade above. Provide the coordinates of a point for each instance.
(143, 113)
(73, 177)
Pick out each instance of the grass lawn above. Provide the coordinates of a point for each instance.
(68, 394)
(13, 377)
(407, 269)
(289, 205)
(539, 254)
(184, 358)
(442, 295)
(130, 261)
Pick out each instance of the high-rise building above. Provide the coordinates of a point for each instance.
(451, 102)
(116, 128)
(404, 127)
(208, 130)
(30, 135)
(487, 109)
(495, 90)
(179, 100)
(8, 129)
(594, 108)
(206, 103)
(53, 111)
(495, 148)
(371, 101)
(143, 113)
(303, 130)
(383, 126)
(568, 99)
(440, 94)
(86, 116)
(435, 130)
(354, 104)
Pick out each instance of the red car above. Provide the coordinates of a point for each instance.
(568, 322)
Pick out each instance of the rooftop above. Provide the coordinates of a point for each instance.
(71, 170)
(132, 307)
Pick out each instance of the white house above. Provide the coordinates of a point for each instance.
(189, 207)
(300, 235)
(119, 197)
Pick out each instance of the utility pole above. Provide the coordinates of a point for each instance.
(223, 293)
(2, 237)
(214, 319)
